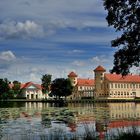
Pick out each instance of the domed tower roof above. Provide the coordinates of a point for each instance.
(72, 74)
(100, 68)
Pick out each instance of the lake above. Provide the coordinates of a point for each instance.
(37, 121)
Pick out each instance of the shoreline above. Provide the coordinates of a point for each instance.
(73, 101)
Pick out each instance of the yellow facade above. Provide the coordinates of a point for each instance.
(112, 89)
(121, 90)
(83, 88)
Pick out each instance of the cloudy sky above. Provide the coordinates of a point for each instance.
(53, 36)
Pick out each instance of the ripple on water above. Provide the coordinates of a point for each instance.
(28, 122)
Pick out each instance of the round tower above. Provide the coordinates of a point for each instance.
(73, 77)
(99, 81)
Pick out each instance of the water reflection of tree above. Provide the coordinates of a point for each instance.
(62, 115)
(45, 121)
(1, 135)
(6, 104)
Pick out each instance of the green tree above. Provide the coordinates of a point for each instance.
(4, 88)
(16, 88)
(124, 16)
(61, 87)
(46, 81)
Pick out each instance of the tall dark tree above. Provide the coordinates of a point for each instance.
(61, 87)
(4, 88)
(16, 88)
(124, 16)
(46, 81)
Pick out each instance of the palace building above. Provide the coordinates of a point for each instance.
(31, 90)
(105, 85)
(83, 88)
(116, 86)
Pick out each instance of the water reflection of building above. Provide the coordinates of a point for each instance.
(108, 116)
(104, 116)
(124, 110)
(117, 111)
(120, 115)
(99, 111)
(101, 128)
(37, 105)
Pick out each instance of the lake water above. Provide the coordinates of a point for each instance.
(40, 121)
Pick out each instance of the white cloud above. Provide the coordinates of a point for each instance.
(48, 17)
(24, 30)
(24, 71)
(76, 51)
(135, 70)
(78, 63)
(34, 77)
(99, 59)
(7, 56)
(104, 60)
(57, 13)
(10, 29)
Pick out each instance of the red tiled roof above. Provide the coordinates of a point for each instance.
(120, 78)
(72, 74)
(85, 82)
(31, 83)
(100, 68)
(25, 85)
(22, 85)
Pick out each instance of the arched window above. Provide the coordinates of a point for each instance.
(124, 93)
(119, 93)
(124, 85)
(118, 85)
